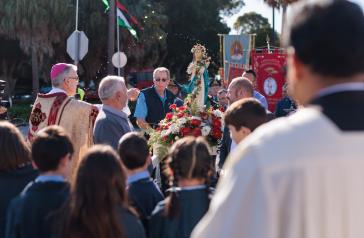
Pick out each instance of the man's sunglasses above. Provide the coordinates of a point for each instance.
(163, 80)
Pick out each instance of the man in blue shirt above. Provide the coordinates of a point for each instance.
(252, 76)
(154, 102)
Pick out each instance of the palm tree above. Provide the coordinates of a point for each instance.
(37, 25)
(283, 4)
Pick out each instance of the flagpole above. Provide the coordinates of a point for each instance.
(118, 40)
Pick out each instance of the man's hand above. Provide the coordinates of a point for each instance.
(133, 94)
(143, 124)
(3, 110)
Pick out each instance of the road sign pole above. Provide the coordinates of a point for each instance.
(77, 38)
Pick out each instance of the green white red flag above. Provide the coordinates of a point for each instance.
(121, 19)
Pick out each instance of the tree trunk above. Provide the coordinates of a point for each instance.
(35, 73)
(284, 16)
(111, 40)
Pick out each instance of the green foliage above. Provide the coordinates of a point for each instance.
(254, 23)
(21, 111)
(191, 22)
(279, 3)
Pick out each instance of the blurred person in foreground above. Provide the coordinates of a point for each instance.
(31, 214)
(98, 206)
(16, 169)
(302, 176)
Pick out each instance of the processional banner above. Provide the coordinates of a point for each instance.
(236, 55)
(270, 67)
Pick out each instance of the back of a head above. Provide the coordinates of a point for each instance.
(190, 158)
(100, 176)
(247, 112)
(98, 190)
(243, 83)
(133, 150)
(15, 151)
(328, 37)
(50, 145)
(109, 85)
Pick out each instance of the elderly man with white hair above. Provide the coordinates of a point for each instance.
(112, 123)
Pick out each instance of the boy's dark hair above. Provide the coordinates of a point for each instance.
(133, 150)
(247, 112)
(50, 145)
(328, 37)
(250, 71)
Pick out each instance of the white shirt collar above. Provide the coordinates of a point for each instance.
(357, 86)
(56, 90)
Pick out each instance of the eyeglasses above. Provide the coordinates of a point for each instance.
(75, 78)
(161, 79)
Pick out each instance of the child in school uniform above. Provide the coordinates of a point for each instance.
(31, 214)
(190, 169)
(143, 193)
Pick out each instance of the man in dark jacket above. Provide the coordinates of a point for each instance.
(154, 102)
(238, 88)
(31, 214)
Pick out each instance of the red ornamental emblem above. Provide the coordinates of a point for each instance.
(37, 117)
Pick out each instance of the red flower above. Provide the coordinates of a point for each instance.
(216, 133)
(185, 131)
(195, 122)
(216, 122)
(173, 106)
(180, 115)
(222, 109)
(169, 116)
(182, 108)
(196, 132)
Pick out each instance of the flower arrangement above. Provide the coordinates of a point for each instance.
(183, 121)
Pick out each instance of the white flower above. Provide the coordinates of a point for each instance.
(181, 121)
(197, 118)
(218, 113)
(174, 128)
(205, 130)
(176, 138)
(165, 133)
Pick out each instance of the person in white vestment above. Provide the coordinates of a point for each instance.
(303, 176)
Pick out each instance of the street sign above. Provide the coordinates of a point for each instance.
(77, 45)
(119, 59)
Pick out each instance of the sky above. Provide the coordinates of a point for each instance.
(262, 8)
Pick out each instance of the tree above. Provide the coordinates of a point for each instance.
(281, 4)
(191, 22)
(37, 24)
(254, 23)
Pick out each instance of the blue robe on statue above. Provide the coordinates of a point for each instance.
(188, 88)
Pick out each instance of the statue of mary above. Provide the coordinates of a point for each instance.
(198, 84)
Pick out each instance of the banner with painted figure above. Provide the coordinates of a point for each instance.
(270, 68)
(236, 55)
